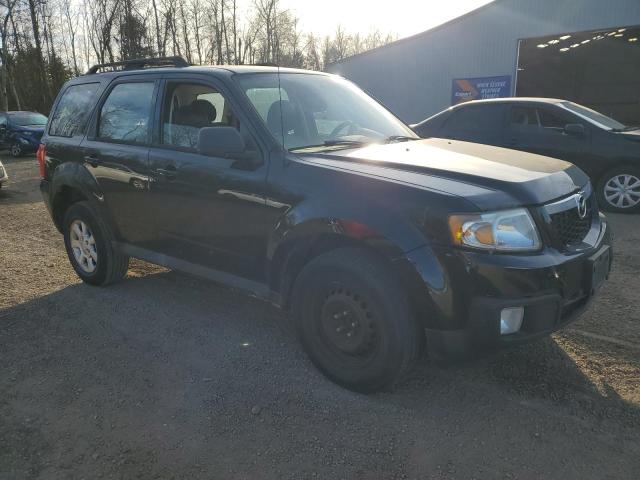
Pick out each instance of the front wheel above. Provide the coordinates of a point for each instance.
(88, 241)
(619, 190)
(15, 150)
(354, 320)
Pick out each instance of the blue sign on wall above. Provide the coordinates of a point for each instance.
(466, 89)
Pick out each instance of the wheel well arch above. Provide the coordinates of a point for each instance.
(62, 200)
(293, 256)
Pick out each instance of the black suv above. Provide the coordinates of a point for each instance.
(607, 150)
(298, 188)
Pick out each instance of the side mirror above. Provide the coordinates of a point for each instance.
(223, 142)
(574, 129)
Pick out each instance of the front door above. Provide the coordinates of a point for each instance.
(541, 130)
(210, 211)
(116, 154)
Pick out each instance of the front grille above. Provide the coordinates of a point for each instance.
(567, 226)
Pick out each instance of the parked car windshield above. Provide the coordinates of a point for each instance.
(27, 118)
(594, 117)
(310, 111)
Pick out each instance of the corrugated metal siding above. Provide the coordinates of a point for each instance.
(413, 77)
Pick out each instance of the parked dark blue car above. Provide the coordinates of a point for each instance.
(20, 132)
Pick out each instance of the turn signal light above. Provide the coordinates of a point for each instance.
(40, 154)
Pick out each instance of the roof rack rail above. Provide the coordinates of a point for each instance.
(140, 63)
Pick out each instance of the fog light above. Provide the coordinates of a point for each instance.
(511, 320)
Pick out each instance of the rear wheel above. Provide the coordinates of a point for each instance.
(15, 150)
(619, 190)
(89, 246)
(354, 320)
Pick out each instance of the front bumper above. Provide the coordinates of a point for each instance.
(553, 287)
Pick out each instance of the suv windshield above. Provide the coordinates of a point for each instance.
(27, 118)
(310, 111)
(594, 117)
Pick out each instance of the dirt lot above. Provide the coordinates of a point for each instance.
(168, 377)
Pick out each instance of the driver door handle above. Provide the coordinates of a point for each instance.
(169, 172)
(91, 160)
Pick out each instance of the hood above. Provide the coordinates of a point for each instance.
(633, 135)
(490, 177)
(29, 128)
(34, 132)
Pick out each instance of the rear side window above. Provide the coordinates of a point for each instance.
(126, 113)
(72, 112)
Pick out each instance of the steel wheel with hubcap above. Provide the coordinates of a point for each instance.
(623, 191)
(620, 190)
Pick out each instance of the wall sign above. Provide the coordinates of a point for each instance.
(467, 89)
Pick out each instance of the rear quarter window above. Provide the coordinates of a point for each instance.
(73, 110)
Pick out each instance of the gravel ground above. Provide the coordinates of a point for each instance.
(165, 376)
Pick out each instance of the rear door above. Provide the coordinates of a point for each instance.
(478, 123)
(116, 153)
(68, 122)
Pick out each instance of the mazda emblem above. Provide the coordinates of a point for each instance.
(582, 205)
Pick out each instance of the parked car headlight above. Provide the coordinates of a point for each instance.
(508, 230)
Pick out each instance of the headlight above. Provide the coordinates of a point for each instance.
(509, 230)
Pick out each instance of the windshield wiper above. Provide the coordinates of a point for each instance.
(399, 138)
(332, 143)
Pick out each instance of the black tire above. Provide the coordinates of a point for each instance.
(15, 150)
(110, 265)
(607, 182)
(361, 289)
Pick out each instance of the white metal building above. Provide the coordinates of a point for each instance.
(587, 51)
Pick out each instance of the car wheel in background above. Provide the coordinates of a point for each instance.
(354, 320)
(619, 190)
(15, 150)
(89, 246)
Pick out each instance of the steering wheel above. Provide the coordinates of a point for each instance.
(342, 126)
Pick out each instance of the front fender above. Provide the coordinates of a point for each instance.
(300, 236)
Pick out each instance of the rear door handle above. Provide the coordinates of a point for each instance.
(91, 160)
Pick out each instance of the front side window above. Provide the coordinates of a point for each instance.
(187, 108)
(126, 113)
(522, 117)
(73, 110)
(316, 111)
(549, 119)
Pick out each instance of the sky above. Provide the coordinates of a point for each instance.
(399, 17)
